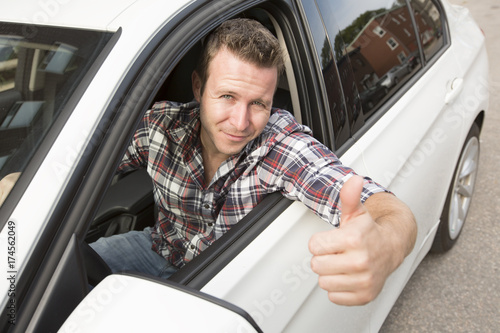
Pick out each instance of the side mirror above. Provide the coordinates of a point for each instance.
(127, 303)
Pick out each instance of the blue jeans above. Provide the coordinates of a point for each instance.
(132, 252)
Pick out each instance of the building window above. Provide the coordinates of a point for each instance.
(392, 43)
(402, 57)
(379, 31)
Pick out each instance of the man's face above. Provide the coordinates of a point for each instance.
(235, 105)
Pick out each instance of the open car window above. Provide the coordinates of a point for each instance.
(129, 204)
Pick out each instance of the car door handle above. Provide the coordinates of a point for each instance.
(454, 90)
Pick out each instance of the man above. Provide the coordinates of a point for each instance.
(213, 160)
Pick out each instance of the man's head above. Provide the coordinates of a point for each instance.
(235, 86)
(248, 40)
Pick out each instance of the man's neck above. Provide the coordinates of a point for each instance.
(210, 165)
(212, 158)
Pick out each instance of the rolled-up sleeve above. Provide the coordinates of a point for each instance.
(303, 169)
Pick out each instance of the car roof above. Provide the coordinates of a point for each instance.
(107, 15)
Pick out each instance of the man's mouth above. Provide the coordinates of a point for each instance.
(235, 137)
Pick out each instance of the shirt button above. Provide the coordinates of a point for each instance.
(207, 206)
(210, 224)
(192, 247)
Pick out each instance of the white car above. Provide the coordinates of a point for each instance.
(76, 78)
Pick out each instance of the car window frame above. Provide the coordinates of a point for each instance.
(446, 33)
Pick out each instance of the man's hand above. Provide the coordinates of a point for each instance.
(354, 260)
(6, 185)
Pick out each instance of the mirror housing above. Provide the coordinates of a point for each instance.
(132, 303)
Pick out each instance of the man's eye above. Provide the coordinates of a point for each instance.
(227, 96)
(259, 104)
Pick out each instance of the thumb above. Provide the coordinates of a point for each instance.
(350, 198)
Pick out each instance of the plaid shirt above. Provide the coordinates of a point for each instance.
(193, 214)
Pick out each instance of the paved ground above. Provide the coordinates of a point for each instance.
(460, 290)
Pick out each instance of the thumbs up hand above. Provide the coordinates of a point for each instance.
(354, 260)
(350, 196)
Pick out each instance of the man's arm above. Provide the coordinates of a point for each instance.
(373, 239)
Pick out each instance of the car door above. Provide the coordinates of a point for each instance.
(262, 265)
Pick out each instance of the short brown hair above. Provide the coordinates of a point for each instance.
(248, 39)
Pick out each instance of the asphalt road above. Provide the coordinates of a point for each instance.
(459, 291)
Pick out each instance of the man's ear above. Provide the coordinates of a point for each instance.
(196, 84)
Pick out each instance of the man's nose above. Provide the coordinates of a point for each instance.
(240, 117)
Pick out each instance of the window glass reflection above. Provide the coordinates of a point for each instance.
(430, 26)
(377, 39)
(40, 68)
(330, 74)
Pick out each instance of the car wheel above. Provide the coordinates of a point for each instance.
(459, 194)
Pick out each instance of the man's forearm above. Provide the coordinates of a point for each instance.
(396, 219)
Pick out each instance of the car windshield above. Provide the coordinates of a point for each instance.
(40, 69)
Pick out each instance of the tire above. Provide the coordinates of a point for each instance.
(459, 196)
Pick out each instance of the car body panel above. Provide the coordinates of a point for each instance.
(113, 14)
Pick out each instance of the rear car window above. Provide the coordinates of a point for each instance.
(378, 40)
(40, 68)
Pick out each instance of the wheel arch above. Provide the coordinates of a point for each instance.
(480, 120)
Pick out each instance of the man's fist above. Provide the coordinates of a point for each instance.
(354, 260)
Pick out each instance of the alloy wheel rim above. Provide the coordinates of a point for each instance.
(463, 188)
